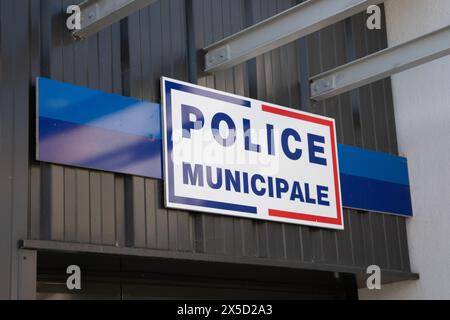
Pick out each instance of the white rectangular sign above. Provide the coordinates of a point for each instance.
(236, 156)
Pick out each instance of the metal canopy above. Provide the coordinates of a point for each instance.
(387, 276)
(381, 64)
(285, 27)
(99, 14)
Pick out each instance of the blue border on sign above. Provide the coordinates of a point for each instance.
(169, 86)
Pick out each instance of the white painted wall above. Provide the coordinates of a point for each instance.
(422, 113)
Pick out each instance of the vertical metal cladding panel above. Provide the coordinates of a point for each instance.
(129, 58)
(14, 102)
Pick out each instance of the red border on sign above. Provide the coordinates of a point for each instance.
(303, 216)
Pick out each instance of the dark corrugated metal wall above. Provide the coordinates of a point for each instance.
(14, 106)
(76, 205)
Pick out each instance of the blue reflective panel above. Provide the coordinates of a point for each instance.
(375, 195)
(93, 129)
(374, 165)
(87, 128)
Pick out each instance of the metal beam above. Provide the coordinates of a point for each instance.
(381, 64)
(99, 14)
(281, 29)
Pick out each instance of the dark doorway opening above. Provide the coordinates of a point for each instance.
(108, 277)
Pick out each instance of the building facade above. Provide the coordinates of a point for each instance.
(115, 227)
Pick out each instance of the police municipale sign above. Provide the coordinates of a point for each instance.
(230, 155)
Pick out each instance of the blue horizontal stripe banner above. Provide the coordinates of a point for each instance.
(66, 102)
(211, 94)
(375, 195)
(214, 204)
(370, 164)
(91, 129)
(97, 148)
